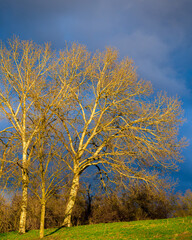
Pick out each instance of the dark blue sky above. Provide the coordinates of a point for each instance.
(156, 34)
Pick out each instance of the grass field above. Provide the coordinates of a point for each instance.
(175, 228)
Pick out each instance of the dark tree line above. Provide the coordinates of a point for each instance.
(136, 204)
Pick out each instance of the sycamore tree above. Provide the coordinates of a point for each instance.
(24, 68)
(114, 122)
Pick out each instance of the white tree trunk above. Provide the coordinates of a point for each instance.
(71, 201)
(25, 182)
(22, 224)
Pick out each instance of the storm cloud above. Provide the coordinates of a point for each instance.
(149, 31)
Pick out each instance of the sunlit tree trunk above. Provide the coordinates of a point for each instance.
(25, 181)
(42, 221)
(23, 215)
(43, 201)
(71, 200)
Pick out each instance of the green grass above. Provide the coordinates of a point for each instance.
(175, 228)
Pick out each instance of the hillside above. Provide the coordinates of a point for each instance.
(175, 228)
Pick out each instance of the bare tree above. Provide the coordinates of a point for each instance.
(48, 173)
(114, 124)
(24, 67)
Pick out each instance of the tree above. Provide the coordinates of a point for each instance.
(47, 170)
(24, 67)
(183, 204)
(114, 123)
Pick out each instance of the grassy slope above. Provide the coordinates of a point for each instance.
(176, 228)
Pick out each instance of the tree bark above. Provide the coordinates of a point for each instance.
(25, 182)
(71, 201)
(43, 201)
(42, 223)
(23, 216)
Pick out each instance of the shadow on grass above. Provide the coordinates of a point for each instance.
(54, 231)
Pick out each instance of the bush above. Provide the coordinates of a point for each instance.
(183, 205)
